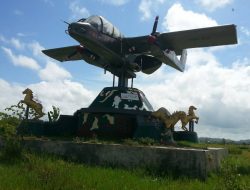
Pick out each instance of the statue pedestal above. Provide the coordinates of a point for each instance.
(185, 136)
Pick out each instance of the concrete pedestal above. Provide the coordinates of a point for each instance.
(178, 161)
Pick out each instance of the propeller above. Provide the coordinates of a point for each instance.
(155, 26)
(66, 31)
(152, 37)
(64, 21)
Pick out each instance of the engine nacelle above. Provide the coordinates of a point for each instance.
(148, 63)
(145, 63)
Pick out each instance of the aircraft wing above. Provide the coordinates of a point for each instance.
(78, 52)
(109, 61)
(69, 53)
(72, 53)
(177, 41)
(203, 37)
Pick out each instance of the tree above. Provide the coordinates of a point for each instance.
(54, 114)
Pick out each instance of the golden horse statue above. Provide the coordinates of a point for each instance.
(190, 116)
(28, 100)
(170, 120)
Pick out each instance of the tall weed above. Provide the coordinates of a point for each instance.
(230, 175)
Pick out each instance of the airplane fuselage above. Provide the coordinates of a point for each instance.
(107, 47)
(116, 50)
(102, 45)
(89, 36)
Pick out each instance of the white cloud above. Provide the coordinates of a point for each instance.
(55, 89)
(11, 94)
(177, 18)
(115, 2)
(221, 94)
(20, 34)
(245, 31)
(50, 2)
(16, 43)
(78, 11)
(146, 7)
(69, 96)
(212, 5)
(3, 39)
(36, 48)
(21, 60)
(53, 72)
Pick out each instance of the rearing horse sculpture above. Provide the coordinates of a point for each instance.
(28, 100)
(190, 116)
(170, 120)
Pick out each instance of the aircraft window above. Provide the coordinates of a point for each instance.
(116, 33)
(82, 20)
(107, 27)
(95, 21)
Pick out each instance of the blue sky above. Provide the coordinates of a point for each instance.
(217, 80)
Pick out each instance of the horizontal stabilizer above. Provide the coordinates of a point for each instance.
(203, 37)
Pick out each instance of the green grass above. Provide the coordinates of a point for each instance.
(20, 169)
(43, 172)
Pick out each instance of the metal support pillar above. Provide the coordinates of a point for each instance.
(191, 126)
(113, 80)
(27, 112)
(122, 81)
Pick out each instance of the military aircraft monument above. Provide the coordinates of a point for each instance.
(122, 111)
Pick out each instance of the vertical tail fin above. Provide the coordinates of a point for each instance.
(183, 59)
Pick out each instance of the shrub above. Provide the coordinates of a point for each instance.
(8, 124)
(11, 146)
(234, 150)
(146, 141)
(130, 142)
(54, 114)
(12, 150)
(230, 176)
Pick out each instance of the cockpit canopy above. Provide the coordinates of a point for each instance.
(103, 25)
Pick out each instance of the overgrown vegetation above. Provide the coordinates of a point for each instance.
(54, 114)
(19, 110)
(8, 124)
(41, 171)
(145, 141)
(12, 149)
(20, 169)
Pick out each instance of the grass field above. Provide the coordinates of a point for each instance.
(20, 169)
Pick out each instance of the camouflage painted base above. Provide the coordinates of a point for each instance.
(185, 136)
(123, 126)
(154, 130)
(115, 113)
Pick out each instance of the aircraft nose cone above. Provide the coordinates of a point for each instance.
(76, 28)
(72, 27)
